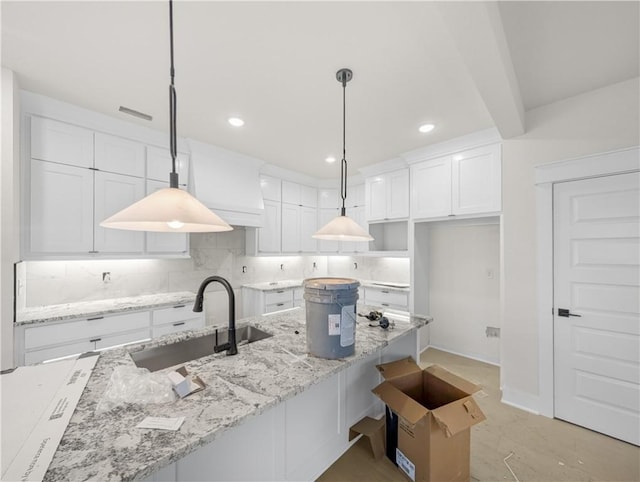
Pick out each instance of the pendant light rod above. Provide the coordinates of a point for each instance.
(173, 176)
(344, 76)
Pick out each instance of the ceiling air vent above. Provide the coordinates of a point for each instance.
(135, 113)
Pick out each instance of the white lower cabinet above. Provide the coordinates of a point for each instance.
(175, 319)
(46, 341)
(386, 298)
(299, 438)
(259, 302)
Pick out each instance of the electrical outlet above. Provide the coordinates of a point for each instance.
(492, 332)
(490, 273)
(106, 277)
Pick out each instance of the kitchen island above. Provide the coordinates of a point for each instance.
(269, 413)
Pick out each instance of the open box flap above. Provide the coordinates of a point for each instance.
(398, 368)
(458, 416)
(460, 383)
(400, 403)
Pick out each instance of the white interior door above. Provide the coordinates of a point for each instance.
(597, 347)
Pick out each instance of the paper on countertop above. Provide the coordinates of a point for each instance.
(37, 404)
(161, 423)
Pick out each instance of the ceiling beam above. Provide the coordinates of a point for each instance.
(477, 31)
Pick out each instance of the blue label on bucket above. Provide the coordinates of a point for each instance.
(348, 326)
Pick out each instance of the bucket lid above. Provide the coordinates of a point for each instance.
(332, 283)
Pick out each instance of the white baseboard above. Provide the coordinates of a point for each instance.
(519, 399)
(472, 357)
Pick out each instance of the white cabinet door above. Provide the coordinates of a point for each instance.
(165, 242)
(355, 196)
(115, 154)
(476, 176)
(61, 208)
(324, 216)
(308, 196)
(431, 188)
(269, 235)
(159, 165)
(290, 228)
(330, 198)
(387, 196)
(60, 142)
(114, 192)
(397, 194)
(271, 188)
(308, 227)
(299, 194)
(376, 198)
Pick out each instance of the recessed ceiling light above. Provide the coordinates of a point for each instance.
(236, 121)
(330, 159)
(424, 128)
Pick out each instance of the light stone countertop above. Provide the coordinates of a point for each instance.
(276, 285)
(108, 446)
(42, 314)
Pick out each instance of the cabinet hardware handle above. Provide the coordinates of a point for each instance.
(95, 340)
(280, 304)
(93, 168)
(178, 323)
(179, 306)
(93, 252)
(384, 304)
(451, 215)
(384, 291)
(95, 318)
(281, 291)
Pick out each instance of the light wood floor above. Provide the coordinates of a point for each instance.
(543, 449)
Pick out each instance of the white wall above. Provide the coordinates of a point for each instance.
(598, 121)
(464, 288)
(9, 196)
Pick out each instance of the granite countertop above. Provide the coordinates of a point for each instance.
(108, 446)
(42, 314)
(276, 285)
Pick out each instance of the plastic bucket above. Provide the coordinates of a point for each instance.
(331, 316)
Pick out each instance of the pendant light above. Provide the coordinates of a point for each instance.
(343, 228)
(170, 209)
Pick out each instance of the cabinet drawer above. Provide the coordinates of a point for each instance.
(70, 349)
(278, 296)
(282, 305)
(386, 297)
(173, 314)
(52, 334)
(104, 342)
(177, 326)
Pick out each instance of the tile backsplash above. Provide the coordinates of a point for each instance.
(56, 282)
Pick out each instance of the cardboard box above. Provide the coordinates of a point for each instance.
(429, 416)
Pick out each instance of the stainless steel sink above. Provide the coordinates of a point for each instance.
(165, 356)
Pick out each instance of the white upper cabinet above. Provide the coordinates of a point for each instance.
(271, 188)
(159, 165)
(299, 194)
(431, 188)
(114, 192)
(269, 234)
(477, 181)
(329, 199)
(465, 183)
(60, 209)
(324, 216)
(387, 196)
(115, 154)
(61, 142)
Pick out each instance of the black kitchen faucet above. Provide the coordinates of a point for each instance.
(230, 347)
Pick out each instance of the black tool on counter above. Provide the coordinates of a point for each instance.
(383, 321)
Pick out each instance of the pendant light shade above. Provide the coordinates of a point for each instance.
(343, 228)
(171, 209)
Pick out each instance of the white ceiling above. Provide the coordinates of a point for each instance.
(462, 66)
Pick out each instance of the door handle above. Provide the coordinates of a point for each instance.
(566, 313)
